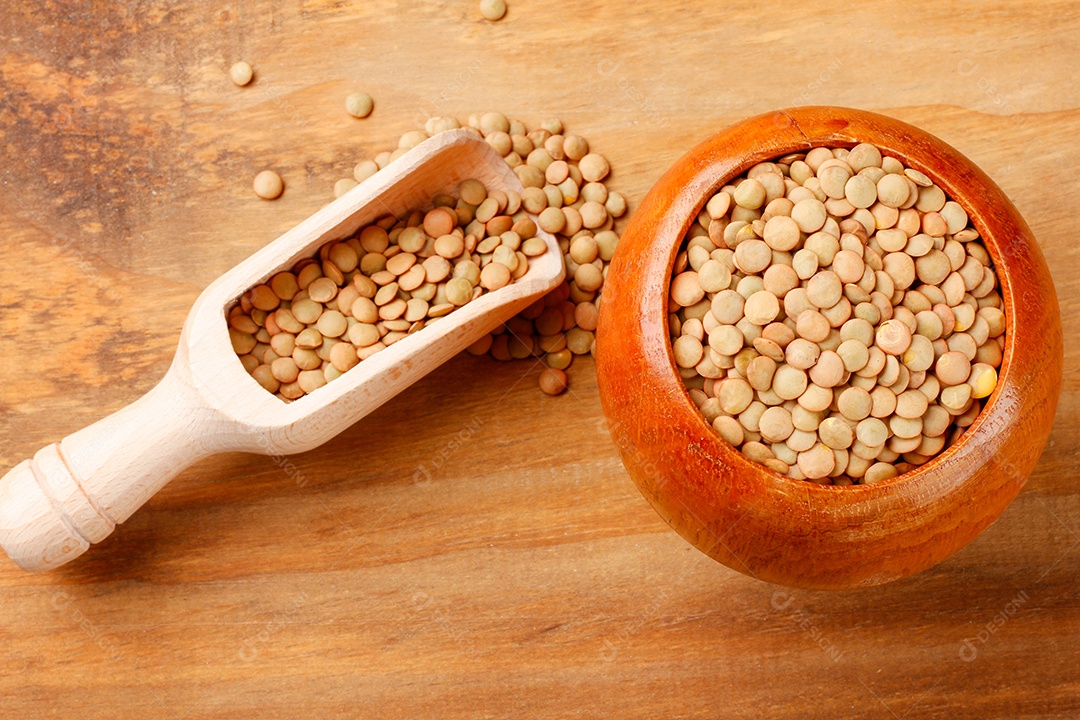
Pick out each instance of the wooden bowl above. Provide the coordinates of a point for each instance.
(795, 532)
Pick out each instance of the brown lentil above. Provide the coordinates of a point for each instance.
(552, 381)
(268, 185)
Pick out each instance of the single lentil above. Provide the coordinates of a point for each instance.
(268, 185)
(552, 381)
(493, 9)
(241, 73)
(359, 104)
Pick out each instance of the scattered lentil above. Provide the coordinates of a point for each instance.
(552, 381)
(359, 104)
(268, 185)
(492, 9)
(241, 73)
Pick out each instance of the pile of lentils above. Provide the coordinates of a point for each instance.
(835, 317)
(308, 325)
(565, 190)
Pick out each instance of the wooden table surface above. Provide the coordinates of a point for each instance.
(475, 549)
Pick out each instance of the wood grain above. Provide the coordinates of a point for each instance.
(474, 549)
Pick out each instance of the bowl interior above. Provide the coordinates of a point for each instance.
(943, 179)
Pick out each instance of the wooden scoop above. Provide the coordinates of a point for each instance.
(74, 492)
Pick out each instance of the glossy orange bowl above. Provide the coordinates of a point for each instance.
(795, 532)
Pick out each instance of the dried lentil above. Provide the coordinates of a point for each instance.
(268, 185)
(241, 73)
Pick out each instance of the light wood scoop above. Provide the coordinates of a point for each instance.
(74, 492)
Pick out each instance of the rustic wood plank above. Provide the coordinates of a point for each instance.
(527, 577)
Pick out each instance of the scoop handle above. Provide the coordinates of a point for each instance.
(74, 492)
